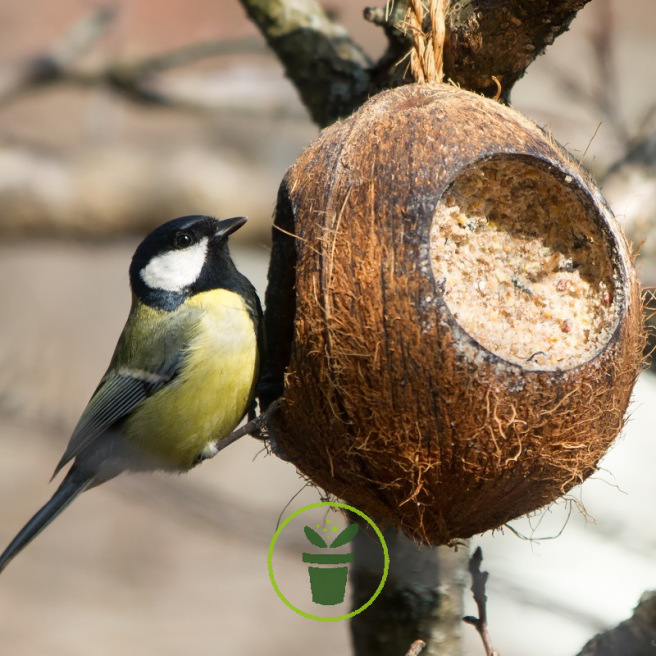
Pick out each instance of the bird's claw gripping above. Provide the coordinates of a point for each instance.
(258, 428)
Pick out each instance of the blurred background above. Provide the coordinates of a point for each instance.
(161, 108)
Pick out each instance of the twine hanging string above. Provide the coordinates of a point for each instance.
(427, 30)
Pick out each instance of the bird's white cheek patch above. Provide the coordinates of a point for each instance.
(175, 270)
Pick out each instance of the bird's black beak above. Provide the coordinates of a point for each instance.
(228, 226)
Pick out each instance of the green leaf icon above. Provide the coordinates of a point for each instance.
(314, 538)
(345, 536)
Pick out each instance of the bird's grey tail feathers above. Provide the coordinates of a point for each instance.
(74, 483)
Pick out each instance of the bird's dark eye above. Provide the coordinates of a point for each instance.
(183, 240)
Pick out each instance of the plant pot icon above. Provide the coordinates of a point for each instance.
(328, 576)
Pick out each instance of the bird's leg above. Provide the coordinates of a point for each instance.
(251, 411)
(257, 427)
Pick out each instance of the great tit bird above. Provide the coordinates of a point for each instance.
(184, 371)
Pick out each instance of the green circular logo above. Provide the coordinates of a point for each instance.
(309, 558)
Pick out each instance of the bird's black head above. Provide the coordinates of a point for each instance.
(183, 257)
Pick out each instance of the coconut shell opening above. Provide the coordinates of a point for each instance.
(524, 269)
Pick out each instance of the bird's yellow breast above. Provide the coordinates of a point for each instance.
(213, 389)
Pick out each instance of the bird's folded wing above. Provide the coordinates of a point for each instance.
(116, 397)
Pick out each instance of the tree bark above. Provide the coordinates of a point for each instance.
(422, 598)
(485, 39)
(330, 72)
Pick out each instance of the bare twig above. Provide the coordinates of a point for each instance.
(83, 36)
(189, 54)
(416, 648)
(388, 72)
(604, 96)
(479, 579)
(375, 15)
(49, 66)
(139, 80)
(607, 93)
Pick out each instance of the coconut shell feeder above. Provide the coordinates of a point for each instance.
(459, 316)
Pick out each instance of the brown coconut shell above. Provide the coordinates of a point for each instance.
(389, 403)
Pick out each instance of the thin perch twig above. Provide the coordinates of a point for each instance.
(258, 427)
(416, 648)
(479, 579)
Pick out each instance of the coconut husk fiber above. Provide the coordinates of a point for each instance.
(465, 320)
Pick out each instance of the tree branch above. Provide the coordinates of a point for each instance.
(421, 599)
(488, 38)
(485, 39)
(633, 637)
(138, 80)
(330, 72)
(49, 67)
